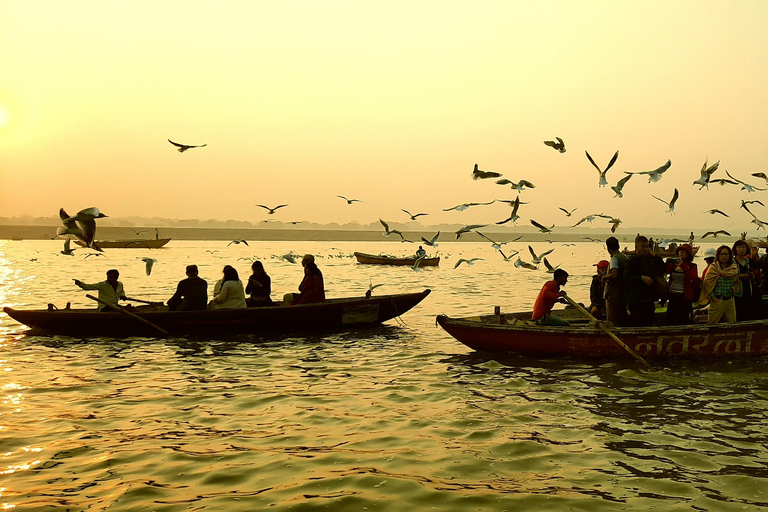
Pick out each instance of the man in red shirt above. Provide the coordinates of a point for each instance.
(550, 294)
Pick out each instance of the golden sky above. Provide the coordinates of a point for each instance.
(390, 102)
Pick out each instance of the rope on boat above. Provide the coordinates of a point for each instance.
(397, 313)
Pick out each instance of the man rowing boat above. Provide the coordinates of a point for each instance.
(110, 291)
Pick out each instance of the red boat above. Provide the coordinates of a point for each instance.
(332, 314)
(515, 333)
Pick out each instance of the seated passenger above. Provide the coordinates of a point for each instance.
(228, 293)
(312, 288)
(549, 294)
(259, 286)
(191, 293)
(597, 290)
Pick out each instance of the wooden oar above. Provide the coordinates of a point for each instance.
(610, 333)
(134, 316)
(143, 301)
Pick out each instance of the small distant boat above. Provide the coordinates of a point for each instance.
(381, 259)
(149, 243)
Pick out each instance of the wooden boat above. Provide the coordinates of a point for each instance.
(664, 253)
(333, 314)
(381, 259)
(149, 243)
(515, 333)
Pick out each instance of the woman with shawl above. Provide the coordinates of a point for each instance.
(718, 287)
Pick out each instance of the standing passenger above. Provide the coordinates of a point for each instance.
(721, 281)
(746, 305)
(597, 291)
(616, 309)
(643, 268)
(683, 282)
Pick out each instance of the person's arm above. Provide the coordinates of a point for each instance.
(221, 297)
(86, 286)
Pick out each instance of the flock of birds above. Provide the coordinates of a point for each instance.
(83, 225)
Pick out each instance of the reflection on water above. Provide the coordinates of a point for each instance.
(393, 418)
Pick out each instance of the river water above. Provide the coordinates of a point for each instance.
(399, 417)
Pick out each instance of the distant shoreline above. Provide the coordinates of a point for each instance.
(322, 235)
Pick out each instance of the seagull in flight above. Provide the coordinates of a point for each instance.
(537, 259)
(148, 262)
(620, 185)
(519, 263)
(68, 251)
(654, 175)
(469, 262)
(761, 175)
(550, 268)
(183, 147)
(568, 213)
(82, 225)
(411, 215)
(432, 242)
(559, 145)
(350, 201)
(588, 218)
(513, 217)
(603, 182)
(520, 185)
(706, 174)
(715, 233)
(745, 186)
(542, 228)
(613, 221)
(494, 244)
(271, 211)
(482, 175)
(715, 210)
(464, 206)
(723, 181)
(388, 231)
(467, 229)
(671, 203)
(237, 242)
(508, 258)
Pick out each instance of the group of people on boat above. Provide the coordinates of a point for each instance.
(627, 288)
(228, 292)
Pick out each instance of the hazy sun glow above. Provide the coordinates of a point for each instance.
(5, 117)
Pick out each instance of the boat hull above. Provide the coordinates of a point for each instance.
(372, 259)
(150, 243)
(329, 315)
(489, 334)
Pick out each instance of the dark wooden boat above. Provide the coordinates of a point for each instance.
(381, 259)
(149, 243)
(333, 314)
(515, 333)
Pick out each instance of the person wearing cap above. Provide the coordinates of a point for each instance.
(683, 284)
(615, 306)
(597, 290)
(709, 257)
(312, 288)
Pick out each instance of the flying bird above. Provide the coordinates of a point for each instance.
(723, 181)
(706, 174)
(520, 185)
(183, 147)
(464, 206)
(148, 262)
(745, 186)
(372, 287)
(467, 229)
(469, 262)
(654, 175)
(603, 182)
(432, 242)
(508, 258)
(494, 244)
(82, 225)
(388, 231)
(568, 213)
(519, 263)
(715, 210)
(620, 185)
(350, 201)
(537, 259)
(271, 210)
(411, 215)
(559, 145)
(671, 203)
(715, 233)
(482, 175)
(237, 242)
(68, 251)
(588, 218)
(550, 268)
(761, 175)
(290, 258)
(513, 217)
(543, 229)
